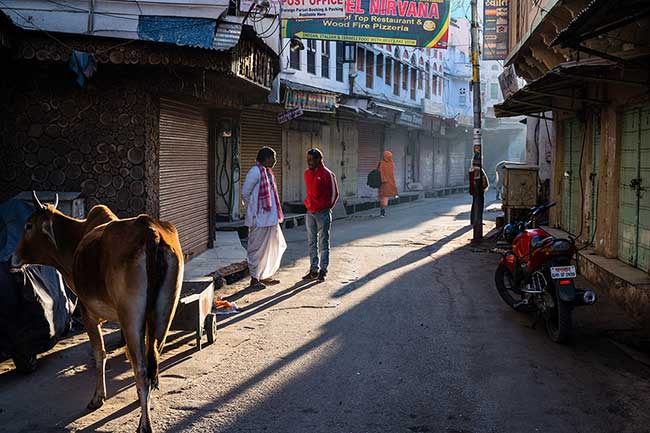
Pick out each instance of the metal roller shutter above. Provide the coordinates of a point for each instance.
(370, 137)
(184, 197)
(395, 141)
(258, 129)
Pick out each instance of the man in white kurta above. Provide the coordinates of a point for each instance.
(266, 243)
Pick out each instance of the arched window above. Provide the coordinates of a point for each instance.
(380, 65)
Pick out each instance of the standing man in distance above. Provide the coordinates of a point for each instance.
(266, 243)
(322, 194)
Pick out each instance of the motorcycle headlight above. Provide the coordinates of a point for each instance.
(561, 246)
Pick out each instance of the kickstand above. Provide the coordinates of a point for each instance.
(537, 319)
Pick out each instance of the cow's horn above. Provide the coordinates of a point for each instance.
(56, 200)
(36, 201)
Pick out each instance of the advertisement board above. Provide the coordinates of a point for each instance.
(414, 23)
(313, 9)
(496, 29)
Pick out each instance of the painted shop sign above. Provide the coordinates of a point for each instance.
(496, 27)
(313, 9)
(415, 23)
(290, 114)
(410, 118)
(311, 101)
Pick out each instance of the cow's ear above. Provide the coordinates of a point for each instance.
(48, 230)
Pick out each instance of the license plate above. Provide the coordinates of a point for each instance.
(559, 272)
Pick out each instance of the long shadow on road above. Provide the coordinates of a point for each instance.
(451, 358)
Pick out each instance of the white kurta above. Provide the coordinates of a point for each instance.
(266, 243)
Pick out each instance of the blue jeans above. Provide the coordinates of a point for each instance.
(318, 237)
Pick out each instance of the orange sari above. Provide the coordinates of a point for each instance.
(388, 186)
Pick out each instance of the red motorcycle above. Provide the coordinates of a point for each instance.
(536, 274)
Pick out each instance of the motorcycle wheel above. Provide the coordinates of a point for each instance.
(25, 363)
(559, 321)
(503, 279)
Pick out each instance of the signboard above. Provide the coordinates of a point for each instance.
(313, 9)
(311, 101)
(288, 115)
(496, 27)
(508, 82)
(415, 23)
(410, 118)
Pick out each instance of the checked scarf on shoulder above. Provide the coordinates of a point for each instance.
(264, 196)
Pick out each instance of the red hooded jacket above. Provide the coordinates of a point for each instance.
(322, 189)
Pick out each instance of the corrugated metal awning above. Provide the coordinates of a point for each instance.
(558, 89)
(599, 17)
(194, 23)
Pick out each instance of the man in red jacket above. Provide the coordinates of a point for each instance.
(322, 194)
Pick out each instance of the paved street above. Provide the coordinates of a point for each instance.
(407, 335)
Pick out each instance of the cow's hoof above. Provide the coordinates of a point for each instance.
(145, 428)
(96, 402)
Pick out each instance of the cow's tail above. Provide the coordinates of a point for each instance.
(162, 295)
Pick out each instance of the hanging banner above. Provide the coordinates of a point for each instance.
(414, 23)
(312, 9)
(496, 29)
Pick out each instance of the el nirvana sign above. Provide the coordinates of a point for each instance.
(415, 23)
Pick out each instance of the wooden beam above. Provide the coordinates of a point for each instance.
(573, 98)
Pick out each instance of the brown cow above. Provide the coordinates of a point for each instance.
(127, 271)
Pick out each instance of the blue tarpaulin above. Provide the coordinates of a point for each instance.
(192, 32)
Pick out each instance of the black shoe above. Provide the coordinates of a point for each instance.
(311, 275)
(322, 276)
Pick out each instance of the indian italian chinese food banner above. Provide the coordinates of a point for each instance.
(414, 23)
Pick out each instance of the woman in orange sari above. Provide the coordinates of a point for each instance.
(388, 188)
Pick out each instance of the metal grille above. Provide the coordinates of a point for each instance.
(573, 136)
(184, 173)
(258, 129)
(634, 201)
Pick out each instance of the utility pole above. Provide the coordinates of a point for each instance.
(478, 198)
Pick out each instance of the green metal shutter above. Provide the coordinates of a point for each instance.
(634, 204)
(571, 195)
(595, 160)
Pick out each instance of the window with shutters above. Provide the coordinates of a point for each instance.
(389, 71)
(405, 77)
(294, 59)
(494, 91)
(340, 56)
(370, 69)
(414, 73)
(380, 65)
(325, 59)
(360, 59)
(396, 78)
(311, 56)
(427, 81)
